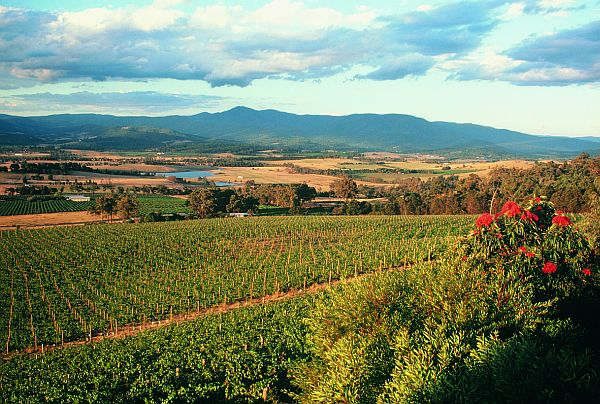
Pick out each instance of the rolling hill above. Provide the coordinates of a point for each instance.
(276, 129)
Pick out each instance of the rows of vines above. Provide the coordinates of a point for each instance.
(71, 283)
(24, 207)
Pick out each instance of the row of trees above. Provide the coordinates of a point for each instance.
(211, 201)
(569, 186)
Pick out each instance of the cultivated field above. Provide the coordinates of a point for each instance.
(70, 283)
(272, 175)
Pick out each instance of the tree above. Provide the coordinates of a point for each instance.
(203, 201)
(305, 193)
(344, 187)
(242, 204)
(104, 205)
(127, 206)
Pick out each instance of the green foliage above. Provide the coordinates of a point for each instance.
(241, 356)
(68, 282)
(27, 207)
(533, 241)
(483, 324)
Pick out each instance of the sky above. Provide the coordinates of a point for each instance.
(528, 65)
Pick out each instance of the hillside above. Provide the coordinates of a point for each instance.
(271, 128)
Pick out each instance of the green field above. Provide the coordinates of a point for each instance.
(437, 331)
(148, 203)
(242, 355)
(24, 207)
(66, 283)
(162, 204)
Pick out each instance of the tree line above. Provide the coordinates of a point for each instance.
(570, 186)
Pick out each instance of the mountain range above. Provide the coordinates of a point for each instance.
(279, 130)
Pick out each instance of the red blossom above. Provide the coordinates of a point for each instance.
(498, 235)
(529, 254)
(528, 216)
(561, 221)
(586, 271)
(537, 199)
(475, 232)
(484, 220)
(523, 249)
(511, 209)
(549, 268)
(464, 258)
(538, 208)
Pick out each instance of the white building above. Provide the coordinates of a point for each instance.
(78, 198)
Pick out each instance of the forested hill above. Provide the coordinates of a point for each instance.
(271, 128)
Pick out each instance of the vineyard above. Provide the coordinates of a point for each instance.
(243, 355)
(64, 284)
(162, 204)
(147, 204)
(24, 207)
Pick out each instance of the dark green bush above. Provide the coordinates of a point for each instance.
(483, 324)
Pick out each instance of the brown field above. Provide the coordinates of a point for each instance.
(318, 164)
(118, 180)
(478, 167)
(135, 167)
(271, 175)
(96, 154)
(48, 219)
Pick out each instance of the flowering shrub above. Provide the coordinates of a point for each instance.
(533, 240)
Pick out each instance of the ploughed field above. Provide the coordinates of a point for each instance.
(69, 283)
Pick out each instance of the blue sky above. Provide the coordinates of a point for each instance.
(529, 65)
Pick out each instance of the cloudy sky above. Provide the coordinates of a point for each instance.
(529, 65)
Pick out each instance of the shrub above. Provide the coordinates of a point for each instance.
(485, 323)
(535, 241)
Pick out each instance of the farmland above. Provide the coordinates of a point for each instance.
(66, 284)
(162, 204)
(148, 203)
(24, 207)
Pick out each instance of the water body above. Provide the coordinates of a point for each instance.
(195, 174)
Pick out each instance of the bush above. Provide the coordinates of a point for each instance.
(535, 242)
(485, 323)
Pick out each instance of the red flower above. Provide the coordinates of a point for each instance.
(538, 208)
(537, 199)
(523, 250)
(464, 258)
(549, 268)
(561, 221)
(527, 215)
(586, 271)
(475, 232)
(484, 220)
(498, 235)
(511, 209)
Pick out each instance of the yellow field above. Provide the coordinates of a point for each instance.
(271, 175)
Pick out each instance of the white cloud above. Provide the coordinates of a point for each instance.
(283, 18)
(225, 44)
(554, 3)
(514, 10)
